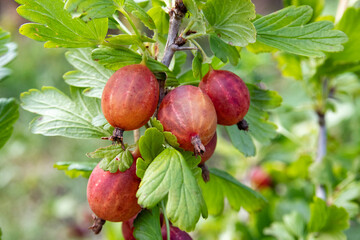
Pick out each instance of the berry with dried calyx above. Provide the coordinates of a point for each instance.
(209, 149)
(188, 113)
(229, 94)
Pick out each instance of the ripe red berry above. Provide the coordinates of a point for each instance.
(130, 97)
(259, 178)
(112, 196)
(209, 149)
(190, 115)
(229, 94)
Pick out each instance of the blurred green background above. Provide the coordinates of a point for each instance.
(40, 202)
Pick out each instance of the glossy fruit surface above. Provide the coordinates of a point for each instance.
(127, 228)
(175, 234)
(130, 97)
(112, 196)
(187, 112)
(209, 149)
(229, 94)
(259, 178)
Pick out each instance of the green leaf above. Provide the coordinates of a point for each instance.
(289, 65)
(156, 124)
(180, 60)
(197, 64)
(91, 9)
(116, 58)
(106, 152)
(161, 19)
(295, 224)
(125, 39)
(121, 162)
(89, 74)
(169, 175)
(132, 7)
(327, 218)
(259, 126)
(7, 53)
(147, 224)
(288, 30)
(141, 167)
(223, 185)
(279, 231)
(349, 24)
(55, 26)
(230, 21)
(61, 115)
(171, 139)
(241, 140)
(347, 197)
(292, 227)
(9, 113)
(191, 7)
(224, 51)
(76, 169)
(264, 99)
(316, 5)
(151, 144)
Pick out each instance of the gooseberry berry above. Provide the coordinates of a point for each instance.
(229, 94)
(188, 113)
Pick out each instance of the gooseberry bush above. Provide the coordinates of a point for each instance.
(133, 79)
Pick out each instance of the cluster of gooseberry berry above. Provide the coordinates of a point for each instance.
(191, 113)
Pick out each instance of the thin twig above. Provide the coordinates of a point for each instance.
(322, 139)
(176, 14)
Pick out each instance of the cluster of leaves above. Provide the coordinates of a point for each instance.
(169, 175)
(326, 222)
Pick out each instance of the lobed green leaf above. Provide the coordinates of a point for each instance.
(287, 30)
(91, 9)
(224, 51)
(169, 175)
(89, 74)
(62, 115)
(223, 185)
(151, 144)
(147, 224)
(230, 21)
(55, 26)
(121, 162)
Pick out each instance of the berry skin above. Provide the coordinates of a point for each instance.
(259, 178)
(209, 149)
(188, 113)
(130, 97)
(112, 196)
(229, 94)
(175, 233)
